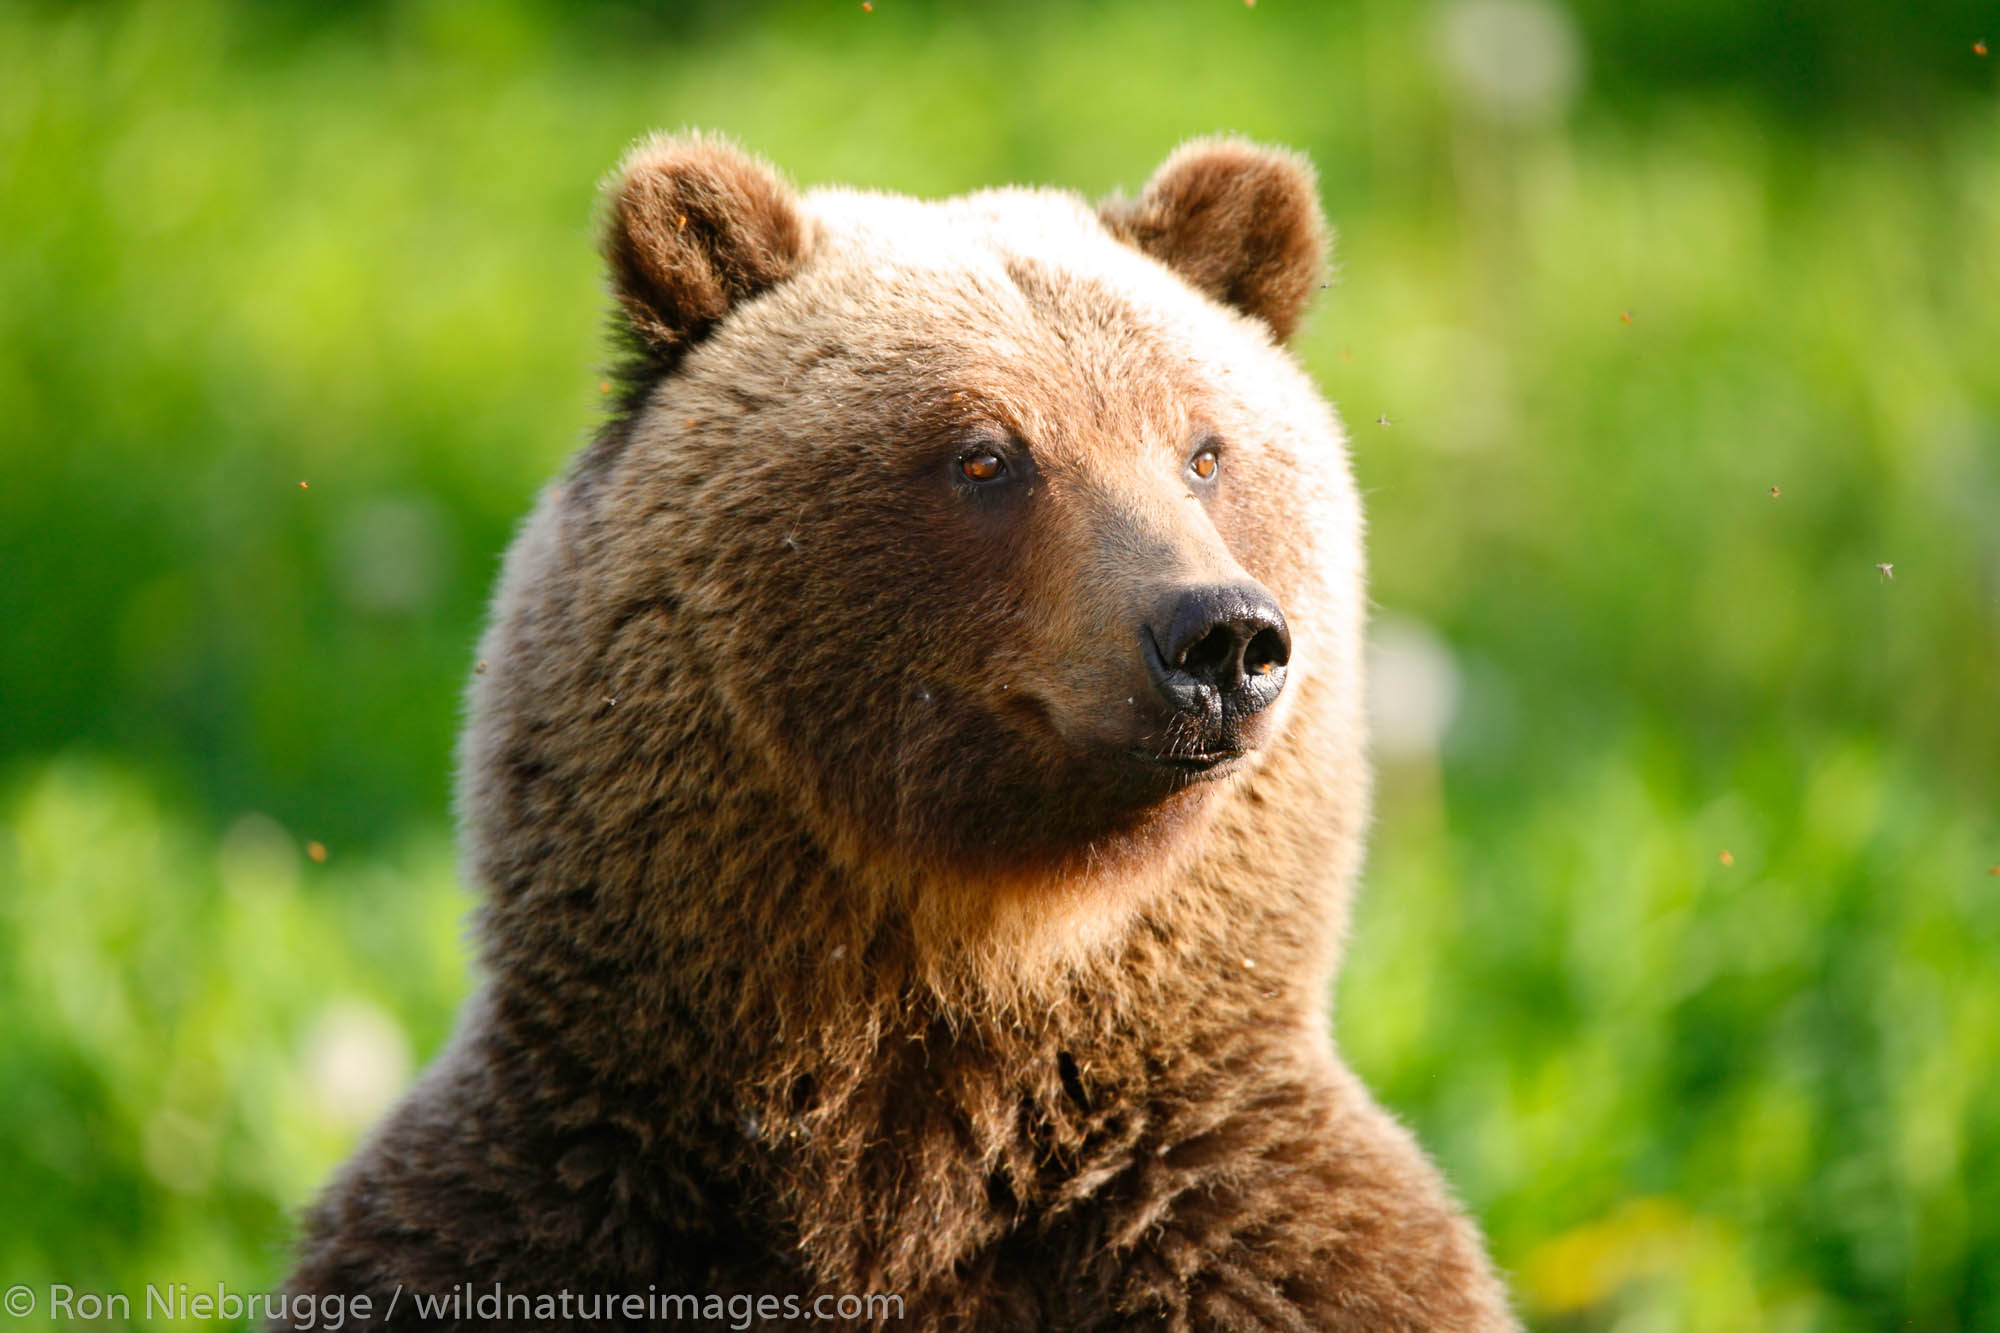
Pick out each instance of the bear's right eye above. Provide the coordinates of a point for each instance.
(985, 465)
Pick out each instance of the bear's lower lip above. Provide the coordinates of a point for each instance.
(1208, 764)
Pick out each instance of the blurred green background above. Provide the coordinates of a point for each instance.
(1680, 944)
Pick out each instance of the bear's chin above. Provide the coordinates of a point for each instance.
(1072, 817)
(1112, 835)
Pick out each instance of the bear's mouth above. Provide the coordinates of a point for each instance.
(1196, 766)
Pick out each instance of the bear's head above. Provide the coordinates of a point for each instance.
(999, 541)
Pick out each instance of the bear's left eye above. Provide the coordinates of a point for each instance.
(1203, 464)
(985, 465)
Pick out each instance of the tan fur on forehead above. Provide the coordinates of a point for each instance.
(979, 244)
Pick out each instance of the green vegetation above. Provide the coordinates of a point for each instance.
(296, 314)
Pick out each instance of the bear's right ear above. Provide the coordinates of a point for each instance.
(1239, 222)
(694, 228)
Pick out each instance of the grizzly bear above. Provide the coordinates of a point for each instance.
(915, 783)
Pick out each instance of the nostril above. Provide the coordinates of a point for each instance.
(1266, 652)
(1210, 654)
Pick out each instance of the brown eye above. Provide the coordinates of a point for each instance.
(1203, 464)
(983, 466)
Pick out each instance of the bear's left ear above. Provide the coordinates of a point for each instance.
(695, 227)
(1237, 221)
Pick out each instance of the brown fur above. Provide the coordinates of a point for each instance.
(696, 228)
(1239, 222)
(830, 946)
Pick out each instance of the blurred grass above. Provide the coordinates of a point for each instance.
(243, 248)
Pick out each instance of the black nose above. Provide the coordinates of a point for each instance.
(1223, 647)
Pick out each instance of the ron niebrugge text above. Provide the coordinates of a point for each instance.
(180, 1300)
